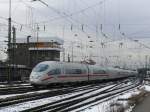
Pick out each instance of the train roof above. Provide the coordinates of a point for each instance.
(73, 64)
(58, 62)
(81, 64)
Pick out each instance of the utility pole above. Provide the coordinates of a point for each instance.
(13, 48)
(9, 25)
(72, 53)
(146, 58)
(63, 54)
(9, 41)
(37, 45)
(28, 45)
(68, 58)
(14, 36)
(72, 50)
(63, 47)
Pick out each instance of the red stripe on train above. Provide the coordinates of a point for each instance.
(99, 75)
(47, 78)
(82, 76)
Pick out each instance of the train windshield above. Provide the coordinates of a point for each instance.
(40, 68)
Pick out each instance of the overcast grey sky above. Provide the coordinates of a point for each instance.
(132, 15)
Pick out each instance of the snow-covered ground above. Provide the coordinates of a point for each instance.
(106, 106)
(15, 85)
(13, 95)
(35, 103)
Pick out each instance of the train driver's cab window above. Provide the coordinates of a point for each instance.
(40, 68)
(56, 71)
(73, 71)
(98, 71)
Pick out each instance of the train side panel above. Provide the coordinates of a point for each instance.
(73, 73)
(97, 73)
(62, 72)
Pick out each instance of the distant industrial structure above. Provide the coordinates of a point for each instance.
(25, 53)
(30, 51)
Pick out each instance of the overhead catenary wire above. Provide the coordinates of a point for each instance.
(63, 15)
(71, 15)
(74, 13)
(129, 38)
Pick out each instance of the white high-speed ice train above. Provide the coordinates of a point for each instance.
(50, 72)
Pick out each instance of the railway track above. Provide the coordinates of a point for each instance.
(74, 97)
(16, 90)
(28, 88)
(102, 98)
(3, 85)
(24, 89)
(71, 103)
(50, 93)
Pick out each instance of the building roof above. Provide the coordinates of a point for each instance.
(45, 49)
(40, 39)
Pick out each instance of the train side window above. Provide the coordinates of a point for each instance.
(78, 71)
(73, 71)
(99, 72)
(84, 71)
(56, 71)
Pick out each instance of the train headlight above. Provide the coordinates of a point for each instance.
(35, 75)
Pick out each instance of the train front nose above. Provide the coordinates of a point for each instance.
(35, 78)
(38, 73)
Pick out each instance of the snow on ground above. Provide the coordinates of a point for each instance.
(25, 84)
(2, 85)
(13, 95)
(147, 88)
(91, 99)
(101, 106)
(15, 85)
(105, 106)
(35, 103)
